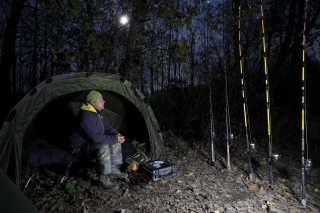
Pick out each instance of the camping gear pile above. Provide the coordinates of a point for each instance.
(142, 171)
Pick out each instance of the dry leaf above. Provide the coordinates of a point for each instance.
(225, 170)
(270, 203)
(102, 197)
(253, 187)
(190, 174)
(218, 180)
(92, 191)
(293, 209)
(316, 190)
(205, 153)
(237, 177)
(163, 181)
(282, 180)
(125, 193)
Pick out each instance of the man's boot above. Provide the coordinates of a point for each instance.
(116, 173)
(105, 182)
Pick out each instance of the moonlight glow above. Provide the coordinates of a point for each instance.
(124, 20)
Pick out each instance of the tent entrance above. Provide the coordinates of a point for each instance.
(57, 119)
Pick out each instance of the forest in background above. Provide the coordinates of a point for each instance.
(175, 52)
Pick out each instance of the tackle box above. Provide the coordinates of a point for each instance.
(156, 170)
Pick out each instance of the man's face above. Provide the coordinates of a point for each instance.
(99, 104)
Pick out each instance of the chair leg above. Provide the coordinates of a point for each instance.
(67, 172)
(32, 175)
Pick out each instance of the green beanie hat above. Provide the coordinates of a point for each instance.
(93, 96)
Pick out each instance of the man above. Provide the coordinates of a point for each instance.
(95, 138)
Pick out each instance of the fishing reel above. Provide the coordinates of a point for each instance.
(252, 148)
(230, 137)
(308, 165)
(275, 157)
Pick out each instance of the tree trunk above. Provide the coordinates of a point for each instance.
(34, 81)
(8, 56)
(129, 67)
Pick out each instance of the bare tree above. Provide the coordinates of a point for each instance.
(8, 55)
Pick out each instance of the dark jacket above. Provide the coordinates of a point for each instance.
(92, 127)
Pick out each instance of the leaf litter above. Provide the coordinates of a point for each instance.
(198, 186)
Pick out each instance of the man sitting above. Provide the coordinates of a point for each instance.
(94, 137)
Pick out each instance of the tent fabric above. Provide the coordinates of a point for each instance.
(49, 109)
(12, 200)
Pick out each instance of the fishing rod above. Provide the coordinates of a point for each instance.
(305, 163)
(229, 135)
(270, 159)
(212, 133)
(250, 144)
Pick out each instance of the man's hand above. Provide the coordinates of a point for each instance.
(121, 138)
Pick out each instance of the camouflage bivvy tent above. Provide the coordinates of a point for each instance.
(48, 111)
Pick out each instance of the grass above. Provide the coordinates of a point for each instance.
(70, 188)
(177, 143)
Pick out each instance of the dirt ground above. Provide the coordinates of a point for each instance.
(197, 186)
